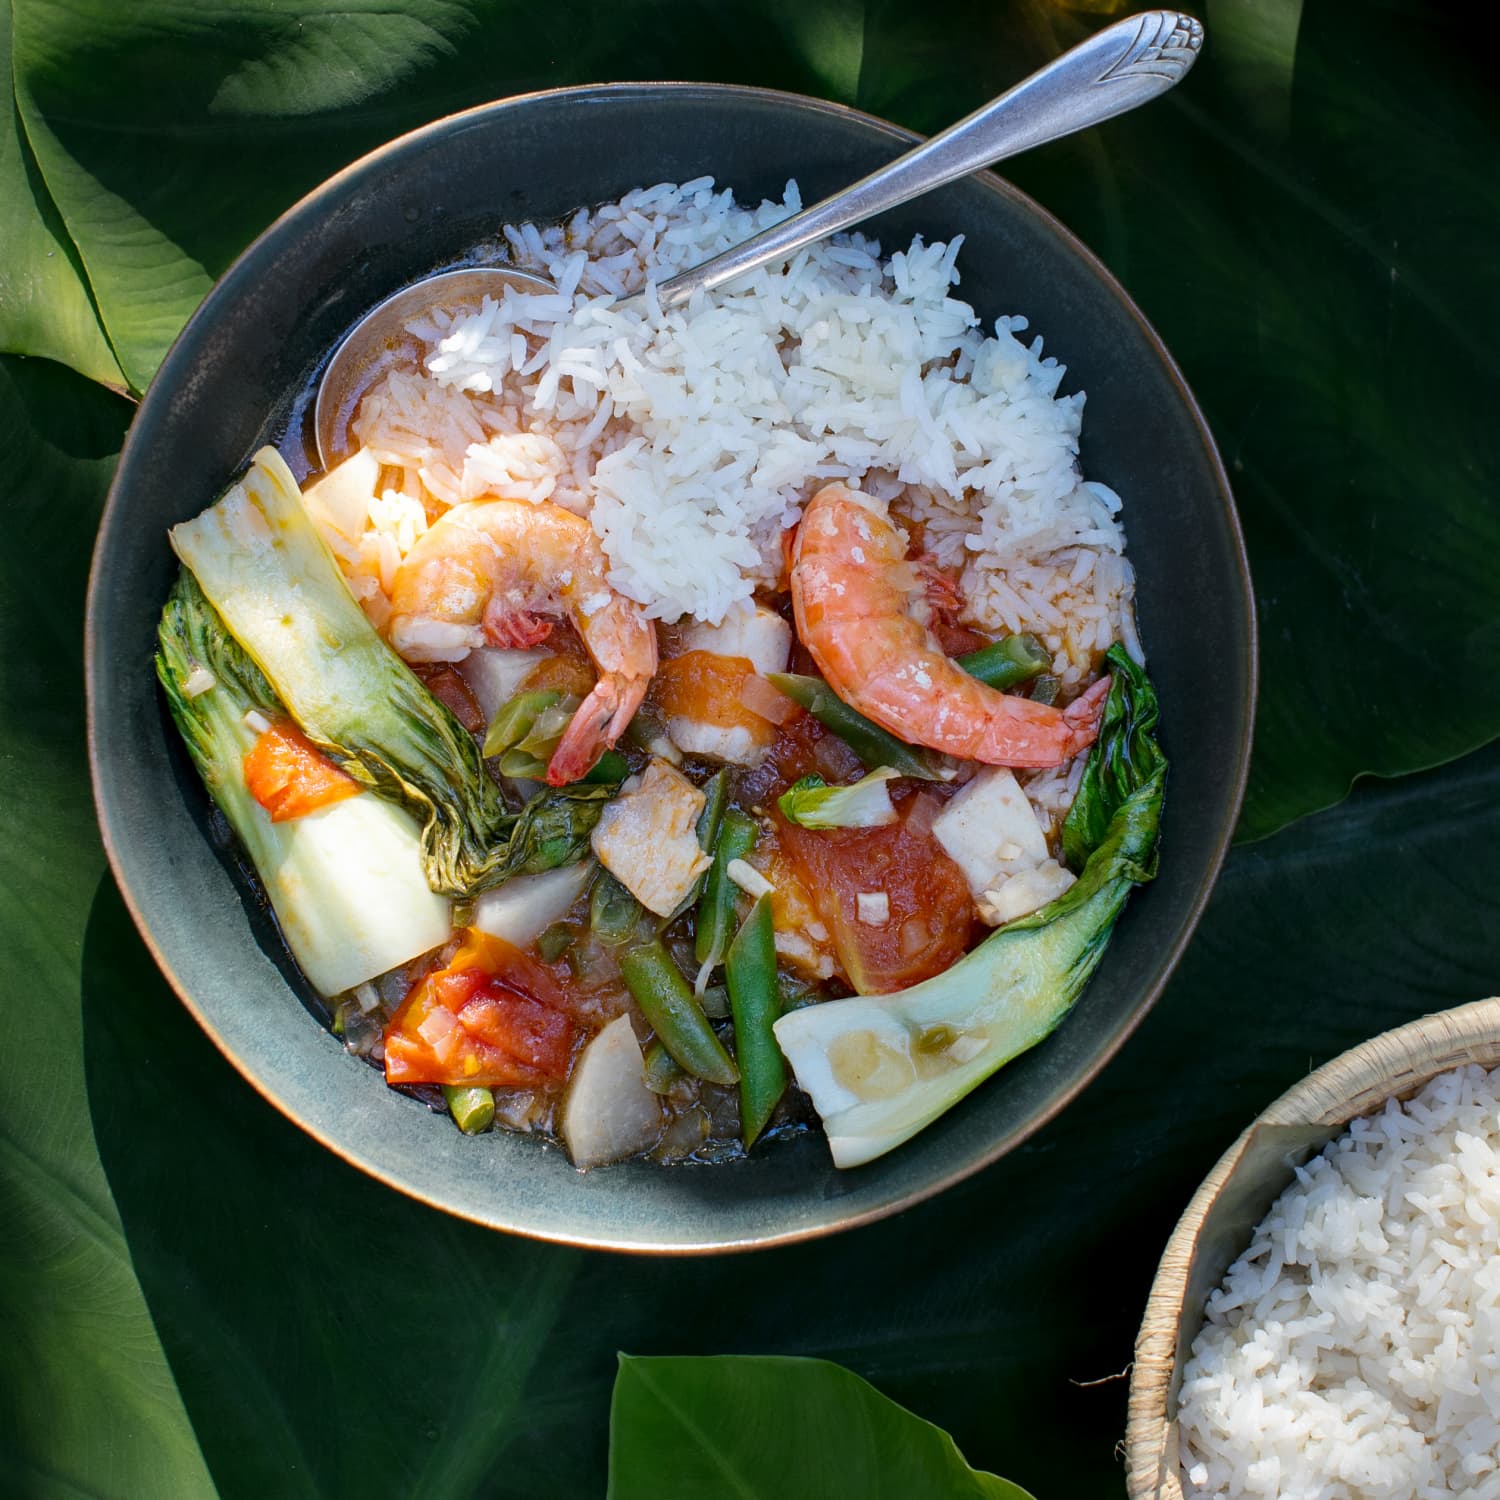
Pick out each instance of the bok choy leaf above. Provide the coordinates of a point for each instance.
(881, 1067)
(346, 881)
(811, 803)
(263, 566)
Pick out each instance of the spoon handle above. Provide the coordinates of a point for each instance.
(1125, 65)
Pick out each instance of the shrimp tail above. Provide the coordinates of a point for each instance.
(1082, 716)
(600, 720)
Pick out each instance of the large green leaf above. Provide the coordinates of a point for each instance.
(1309, 221)
(87, 1402)
(1313, 240)
(45, 304)
(774, 1428)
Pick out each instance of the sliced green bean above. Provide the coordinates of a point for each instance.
(663, 1073)
(715, 799)
(515, 719)
(754, 999)
(716, 1002)
(667, 1003)
(1045, 689)
(716, 904)
(613, 911)
(473, 1109)
(1006, 663)
(872, 744)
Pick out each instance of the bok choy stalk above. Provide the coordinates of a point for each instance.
(346, 882)
(263, 566)
(881, 1067)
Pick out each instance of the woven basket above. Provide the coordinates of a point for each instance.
(1248, 1178)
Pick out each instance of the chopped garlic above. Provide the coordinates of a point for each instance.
(368, 996)
(257, 721)
(967, 1047)
(873, 908)
(197, 682)
(748, 878)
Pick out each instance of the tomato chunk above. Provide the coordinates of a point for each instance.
(489, 1018)
(709, 689)
(930, 914)
(290, 777)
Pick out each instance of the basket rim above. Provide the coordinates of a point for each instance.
(1392, 1065)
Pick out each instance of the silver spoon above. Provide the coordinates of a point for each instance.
(1115, 70)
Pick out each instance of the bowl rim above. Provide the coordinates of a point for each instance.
(1390, 1065)
(1227, 814)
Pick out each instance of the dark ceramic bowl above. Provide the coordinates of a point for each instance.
(228, 384)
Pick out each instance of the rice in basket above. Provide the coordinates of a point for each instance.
(1353, 1351)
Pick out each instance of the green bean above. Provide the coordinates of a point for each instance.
(795, 993)
(715, 1000)
(750, 968)
(552, 942)
(1045, 689)
(868, 741)
(662, 1071)
(613, 911)
(1005, 663)
(473, 1109)
(515, 719)
(715, 798)
(667, 1003)
(716, 904)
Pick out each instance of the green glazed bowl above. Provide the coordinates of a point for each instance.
(229, 384)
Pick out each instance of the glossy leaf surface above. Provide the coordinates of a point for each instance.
(777, 1428)
(192, 1288)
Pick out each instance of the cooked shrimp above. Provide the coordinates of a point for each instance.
(853, 592)
(486, 571)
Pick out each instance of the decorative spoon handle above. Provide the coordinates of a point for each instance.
(1115, 70)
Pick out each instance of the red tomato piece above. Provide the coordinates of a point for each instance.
(930, 913)
(290, 777)
(489, 1018)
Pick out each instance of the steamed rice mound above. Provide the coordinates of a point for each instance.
(693, 438)
(1353, 1352)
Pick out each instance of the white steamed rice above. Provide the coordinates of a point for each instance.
(1353, 1352)
(693, 438)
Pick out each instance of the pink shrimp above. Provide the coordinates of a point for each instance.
(487, 570)
(853, 592)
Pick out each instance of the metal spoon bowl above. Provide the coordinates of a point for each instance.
(380, 342)
(1117, 69)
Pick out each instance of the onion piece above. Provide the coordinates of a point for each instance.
(923, 813)
(762, 699)
(748, 878)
